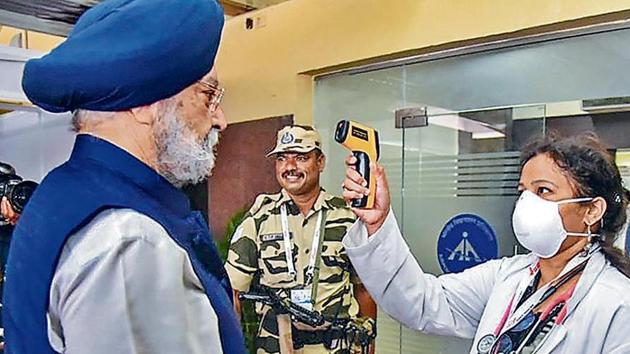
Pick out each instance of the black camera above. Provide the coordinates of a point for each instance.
(12, 186)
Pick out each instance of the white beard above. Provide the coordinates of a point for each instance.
(181, 159)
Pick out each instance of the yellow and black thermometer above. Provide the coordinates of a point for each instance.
(363, 142)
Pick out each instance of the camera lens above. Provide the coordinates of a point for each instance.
(6, 169)
(6, 181)
(20, 194)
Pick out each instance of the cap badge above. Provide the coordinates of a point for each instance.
(287, 138)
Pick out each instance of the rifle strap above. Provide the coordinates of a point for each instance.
(285, 337)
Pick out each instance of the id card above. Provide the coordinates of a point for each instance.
(302, 297)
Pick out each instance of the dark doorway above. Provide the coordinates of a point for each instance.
(242, 170)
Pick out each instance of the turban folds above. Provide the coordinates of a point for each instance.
(127, 53)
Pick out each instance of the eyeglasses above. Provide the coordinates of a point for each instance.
(215, 95)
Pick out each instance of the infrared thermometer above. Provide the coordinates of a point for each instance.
(363, 142)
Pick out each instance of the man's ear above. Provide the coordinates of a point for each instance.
(322, 162)
(145, 115)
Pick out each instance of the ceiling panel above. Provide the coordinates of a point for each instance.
(48, 16)
(57, 16)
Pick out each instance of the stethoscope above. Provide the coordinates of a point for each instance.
(500, 342)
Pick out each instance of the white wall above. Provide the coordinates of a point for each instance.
(31, 140)
(35, 142)
(11, 66)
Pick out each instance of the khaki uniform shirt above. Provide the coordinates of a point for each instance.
(257, 250)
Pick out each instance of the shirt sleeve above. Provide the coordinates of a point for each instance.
(242, 259)
(447, 305)
(354, 277)
(137, 293)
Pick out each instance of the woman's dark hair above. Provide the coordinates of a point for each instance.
(587, 162)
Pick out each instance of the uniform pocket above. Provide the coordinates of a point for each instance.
(334, 260)
(273, 260)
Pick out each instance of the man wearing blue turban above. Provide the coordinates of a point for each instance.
(108, 256)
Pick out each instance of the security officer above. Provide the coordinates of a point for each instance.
(314, 275)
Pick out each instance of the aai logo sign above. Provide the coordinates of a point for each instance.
(465, 241)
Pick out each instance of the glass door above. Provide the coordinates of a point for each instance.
(459, 177)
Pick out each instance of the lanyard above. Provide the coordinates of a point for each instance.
(514, 312)
(556, 308)
(315, 249)
(513, 316)
(288, 248)
(310, 271)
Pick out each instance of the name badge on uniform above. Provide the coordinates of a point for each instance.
(273, 237)
(302, 297)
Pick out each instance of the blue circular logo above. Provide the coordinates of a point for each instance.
(465, 241)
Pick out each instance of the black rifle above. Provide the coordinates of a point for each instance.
(350, 331)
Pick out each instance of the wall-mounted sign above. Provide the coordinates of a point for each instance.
(465, 241)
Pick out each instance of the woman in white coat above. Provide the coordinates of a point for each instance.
(571, 294)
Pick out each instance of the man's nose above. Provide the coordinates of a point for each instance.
(218, 119)
(290, 164)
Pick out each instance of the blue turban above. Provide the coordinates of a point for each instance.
(127, 53)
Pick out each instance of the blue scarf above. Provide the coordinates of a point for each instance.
(101, 176)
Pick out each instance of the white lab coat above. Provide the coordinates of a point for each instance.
(471, 304)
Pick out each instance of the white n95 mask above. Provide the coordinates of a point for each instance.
(538, 225)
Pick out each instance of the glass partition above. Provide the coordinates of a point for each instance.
(460, 174)
(462, 168)
(364, 98)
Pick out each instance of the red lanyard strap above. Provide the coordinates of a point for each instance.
(553, 287)
(561, 281)
(562, 299)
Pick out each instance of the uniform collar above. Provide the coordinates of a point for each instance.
(319, 203)
(321, 200)
(284, 197)
(89, 147)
